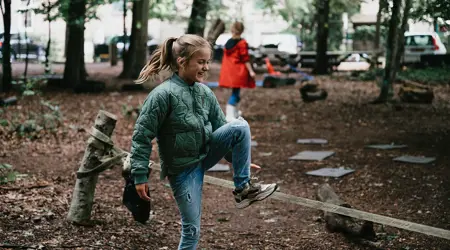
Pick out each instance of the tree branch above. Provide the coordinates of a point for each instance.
(1, 8)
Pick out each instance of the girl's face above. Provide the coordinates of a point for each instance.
(196, 68)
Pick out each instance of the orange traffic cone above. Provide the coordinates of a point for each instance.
(270, 68)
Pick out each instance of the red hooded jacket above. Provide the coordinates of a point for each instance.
(233, 73)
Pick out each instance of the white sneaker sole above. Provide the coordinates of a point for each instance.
(261, 196)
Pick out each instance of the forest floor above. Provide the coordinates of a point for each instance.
(33, 209)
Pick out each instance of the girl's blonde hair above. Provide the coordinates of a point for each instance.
(165, 57)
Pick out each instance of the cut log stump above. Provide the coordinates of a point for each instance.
(97, 146)
(338, 223)
(311, 92)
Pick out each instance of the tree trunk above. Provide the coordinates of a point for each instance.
(136, 56)
(27, 48)
(338, 223)
(197, 19)
(74, 69)
(215, 31)
(124, 50)
(401, 40)
(6, 48)
(376, 47)
(83, 193)
(321, 65)
(391, 53)
(49, 42)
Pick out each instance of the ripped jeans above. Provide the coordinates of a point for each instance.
(187, 186)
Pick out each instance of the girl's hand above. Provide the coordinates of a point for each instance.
(252, 74)
(142, 190)
(254, 166)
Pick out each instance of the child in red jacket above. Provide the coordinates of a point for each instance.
(236, 71)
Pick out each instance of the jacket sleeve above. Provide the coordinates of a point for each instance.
(216, 115)
(151, 117)
(243, 51)
(217, 118)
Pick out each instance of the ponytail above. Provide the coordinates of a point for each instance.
(161, 59)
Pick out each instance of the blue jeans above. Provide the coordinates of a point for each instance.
(187, 186)
(234, 98)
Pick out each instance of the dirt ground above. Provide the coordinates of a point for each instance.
(33, 210)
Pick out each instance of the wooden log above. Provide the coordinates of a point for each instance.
(83, 193)
(338, 223)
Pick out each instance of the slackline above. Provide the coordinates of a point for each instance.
(350, 212)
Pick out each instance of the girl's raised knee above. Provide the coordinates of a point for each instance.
(240, 126)
(240, 122)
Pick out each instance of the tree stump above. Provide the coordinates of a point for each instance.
(113, 53)
(412, 92)
(339, 223)
(310, 92)
(97, 146)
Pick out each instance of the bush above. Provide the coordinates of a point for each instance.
(7, 173)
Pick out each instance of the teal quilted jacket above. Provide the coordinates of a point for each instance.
(182, 118)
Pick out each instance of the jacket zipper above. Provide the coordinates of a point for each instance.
(198, 121)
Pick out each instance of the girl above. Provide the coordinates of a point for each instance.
(236, 71)
(191, 132)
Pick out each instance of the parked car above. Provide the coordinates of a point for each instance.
(422, 43)
(101, 51)
(19, 48)
(280, 48)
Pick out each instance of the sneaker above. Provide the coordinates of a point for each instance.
(253, 192)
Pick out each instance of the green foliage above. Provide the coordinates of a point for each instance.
(424, 76)
(4, 122)
(49, 8)
(431, 9)
(129, 111)
(301, 16)
(370, 75)
(55, 9)
(367, 33)
(7, 173)
(47, 119)
(28, 87)
(162, 9)
(218, 10)
(427, 75)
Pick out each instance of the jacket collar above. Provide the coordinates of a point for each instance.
(180, 82)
